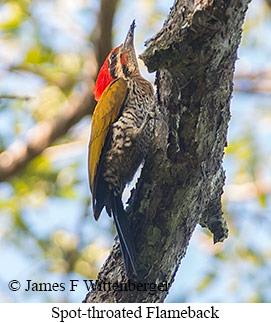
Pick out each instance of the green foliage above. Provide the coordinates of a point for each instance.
(33, 65)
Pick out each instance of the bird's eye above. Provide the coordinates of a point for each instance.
(113, 56)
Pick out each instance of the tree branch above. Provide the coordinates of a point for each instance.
(44, 133)
(181, 183)
(41, 136)
(14, 97)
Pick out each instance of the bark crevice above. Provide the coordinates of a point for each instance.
(182, 182)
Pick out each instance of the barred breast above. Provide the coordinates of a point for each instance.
(131, 135)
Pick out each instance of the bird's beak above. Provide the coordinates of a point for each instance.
(129, 40)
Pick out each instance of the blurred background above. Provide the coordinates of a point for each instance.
(49, 53)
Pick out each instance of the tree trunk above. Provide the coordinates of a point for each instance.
(182, 181)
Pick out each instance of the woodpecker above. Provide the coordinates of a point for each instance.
(121, 136)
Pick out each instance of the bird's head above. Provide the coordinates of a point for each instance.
(120, 63)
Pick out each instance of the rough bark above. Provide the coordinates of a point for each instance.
(182, 182)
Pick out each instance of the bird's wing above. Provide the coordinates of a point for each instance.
(105, 113)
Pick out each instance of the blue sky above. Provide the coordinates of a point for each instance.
(248, 112)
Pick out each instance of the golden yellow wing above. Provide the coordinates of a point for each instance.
(105, 113)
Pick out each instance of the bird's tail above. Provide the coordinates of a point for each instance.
(125, 238)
